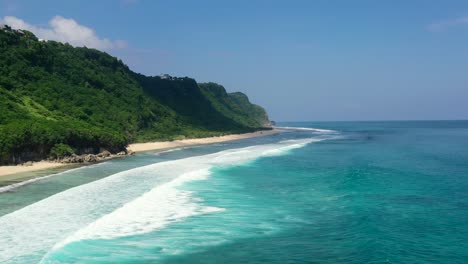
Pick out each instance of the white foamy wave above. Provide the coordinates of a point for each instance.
(291, 144)
(22, 183)
(309, 129)
(166, 204)
(301, 142)
(131, 202)
(153, 210)
(13, 186)
(157, 153)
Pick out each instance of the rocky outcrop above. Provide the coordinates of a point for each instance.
(89, 158)
(72, 159)
(104, 154)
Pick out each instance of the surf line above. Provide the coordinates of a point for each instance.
(121, 192)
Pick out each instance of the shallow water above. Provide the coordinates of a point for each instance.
(367, 192)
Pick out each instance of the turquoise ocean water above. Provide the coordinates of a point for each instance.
(349, 192)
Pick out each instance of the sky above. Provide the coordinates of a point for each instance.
(321, 60)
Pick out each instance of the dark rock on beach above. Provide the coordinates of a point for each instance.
(89, 158)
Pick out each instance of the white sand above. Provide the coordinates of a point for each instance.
(196, 141)
(42, 165)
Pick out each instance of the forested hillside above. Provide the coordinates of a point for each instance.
(52, 94)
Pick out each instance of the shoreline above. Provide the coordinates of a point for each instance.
(165, 145)
(138, 147)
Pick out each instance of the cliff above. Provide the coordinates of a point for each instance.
(55, 94)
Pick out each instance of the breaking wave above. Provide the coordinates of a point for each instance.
(308, 129)
(127, 203)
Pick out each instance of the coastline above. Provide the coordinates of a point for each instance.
(138, 147)
(164, 145)
(36, 166)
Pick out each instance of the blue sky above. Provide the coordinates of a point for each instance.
(301, 60)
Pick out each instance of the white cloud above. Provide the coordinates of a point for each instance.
(440, 26)
(66, 30)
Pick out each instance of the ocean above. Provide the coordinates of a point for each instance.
(319, 192)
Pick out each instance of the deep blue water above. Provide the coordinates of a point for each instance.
(364, 192)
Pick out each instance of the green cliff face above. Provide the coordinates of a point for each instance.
(52, 93)
(236, 106)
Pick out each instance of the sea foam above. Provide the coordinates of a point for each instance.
(128, 203)
(22, 183)
(319, 130)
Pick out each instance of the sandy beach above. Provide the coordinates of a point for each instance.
(196, 141)
(41, 165)
(164, 145)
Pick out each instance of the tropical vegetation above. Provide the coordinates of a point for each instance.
(56, 99)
